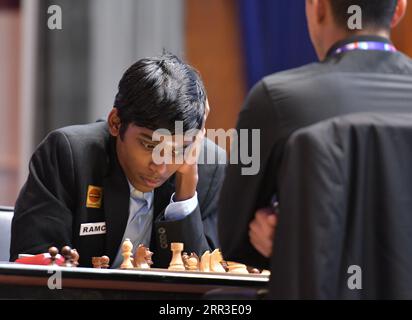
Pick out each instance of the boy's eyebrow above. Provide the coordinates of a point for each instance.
(149, 137)
(146, 136)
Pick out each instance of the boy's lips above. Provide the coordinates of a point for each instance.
(151, 182)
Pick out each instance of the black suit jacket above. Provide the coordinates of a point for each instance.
(355, 81)
(51, 206)
(351, 211)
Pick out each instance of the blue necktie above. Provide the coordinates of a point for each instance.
(138, 229)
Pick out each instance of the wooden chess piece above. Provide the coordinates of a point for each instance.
(215, 261)
(75, 258)
(235, 267)
(176, 263)
(253, 270)
(97, 262)
(265, 273)
(148, 257)
(127, 248)
(53, 251)
(205, 262)
(224, 265)
(143, 257)
(100, 262)
(66, 252)
(104, 261)
(191, 262)
(185, 256)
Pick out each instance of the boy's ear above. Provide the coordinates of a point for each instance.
(114, 122)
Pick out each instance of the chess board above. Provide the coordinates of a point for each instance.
(188, 276)
(29, 281)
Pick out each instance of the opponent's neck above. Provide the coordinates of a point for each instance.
(341, 35)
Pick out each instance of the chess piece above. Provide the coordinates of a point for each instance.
(235, 267)
(143, 257)
(215, 260)
(253, 270)
(265, 273)
(185, 256)
(97, 262)
(205, 262)
(66, 252)
(127, 248)
(53, 251)
(75, 258)
(176, 263)
(148, 257)
(191, 262)
(224, 265)
(100, 262)
(104, 262)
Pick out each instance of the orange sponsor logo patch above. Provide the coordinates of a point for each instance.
(94, 197)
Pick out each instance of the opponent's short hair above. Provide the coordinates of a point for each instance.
(376, 14)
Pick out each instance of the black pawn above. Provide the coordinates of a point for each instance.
(53, 251)
(67, 254)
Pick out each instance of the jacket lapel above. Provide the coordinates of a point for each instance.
(161, 201)
(116, 204)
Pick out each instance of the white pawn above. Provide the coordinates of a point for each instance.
(177, 263)
(205, 262)
(215, 261)
(235, 267)
(127, 248)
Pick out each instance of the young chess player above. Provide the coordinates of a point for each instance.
(93, 186)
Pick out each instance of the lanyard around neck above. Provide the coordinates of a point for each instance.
(366, 45)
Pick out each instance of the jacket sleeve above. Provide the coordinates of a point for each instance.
(245, 190)
(198, 230)
(43, 215)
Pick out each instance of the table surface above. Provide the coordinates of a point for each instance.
(25, 279)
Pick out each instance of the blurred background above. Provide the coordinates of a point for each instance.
(54, 78)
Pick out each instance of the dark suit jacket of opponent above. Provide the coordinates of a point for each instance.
(51, 206)
(351, 82)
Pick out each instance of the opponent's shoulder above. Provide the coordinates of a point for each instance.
(211, 147)
(298, 85)
(212, 161)
(279, 86)
(292, 77)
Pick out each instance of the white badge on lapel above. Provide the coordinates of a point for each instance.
(89, 229)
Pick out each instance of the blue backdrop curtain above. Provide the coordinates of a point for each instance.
(275, 36)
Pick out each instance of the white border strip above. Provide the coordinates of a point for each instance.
(146, 272)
